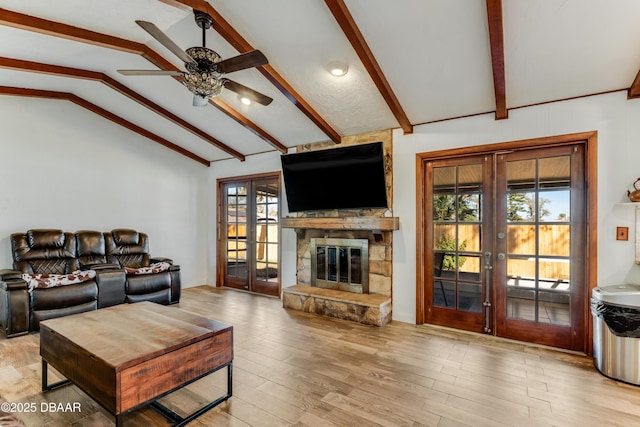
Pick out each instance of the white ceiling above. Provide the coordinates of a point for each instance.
(435, 55)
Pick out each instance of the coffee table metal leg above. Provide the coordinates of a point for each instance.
(45, 370)
(45, 380)
(181, 421)
(229, 380)
(120, 420)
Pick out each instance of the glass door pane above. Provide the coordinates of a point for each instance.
(539, 239)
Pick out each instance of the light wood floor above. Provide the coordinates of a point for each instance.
(293, 368)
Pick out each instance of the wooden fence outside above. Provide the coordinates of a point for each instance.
(553, 241)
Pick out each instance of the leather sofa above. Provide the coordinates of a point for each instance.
(122, 271)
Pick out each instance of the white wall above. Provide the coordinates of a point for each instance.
(617, 121)
(65, 167)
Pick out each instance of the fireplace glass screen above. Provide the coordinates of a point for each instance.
(340, 264)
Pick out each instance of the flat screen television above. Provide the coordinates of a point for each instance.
(338, 178)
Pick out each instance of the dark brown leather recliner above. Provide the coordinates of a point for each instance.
(130, 249)
(46, 252)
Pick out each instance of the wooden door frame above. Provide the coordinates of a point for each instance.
(590, 142)
(220, 251)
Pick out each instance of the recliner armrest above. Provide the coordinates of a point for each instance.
(161, 259)
(6, 274)
(13, 284)
(100, 266)
(176, 283)
(14, 307)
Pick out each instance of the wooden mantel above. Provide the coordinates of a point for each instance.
(347, 223)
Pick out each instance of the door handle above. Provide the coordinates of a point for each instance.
(487, 261)
(487, 289)
(501, 256)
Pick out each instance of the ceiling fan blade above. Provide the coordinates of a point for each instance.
(254, 58)
(166, 41)
(150, 73)
(247, 92)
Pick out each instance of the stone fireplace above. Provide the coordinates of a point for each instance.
(351, 277)
(375, 250)
(336, 292)
(340, 264)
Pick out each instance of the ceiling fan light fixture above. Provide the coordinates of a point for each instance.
(200, 101)
(203, 80)
(203, 57)
(205, 85)
(337, 68)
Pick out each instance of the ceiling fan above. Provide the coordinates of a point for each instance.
(204, 66)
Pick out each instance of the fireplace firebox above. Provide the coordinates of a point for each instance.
(340, 264)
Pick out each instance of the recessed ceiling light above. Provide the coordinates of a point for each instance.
(338, 68)
(245, 100)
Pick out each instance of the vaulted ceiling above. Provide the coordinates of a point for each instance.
(410, 62)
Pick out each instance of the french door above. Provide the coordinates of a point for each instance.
(505, 244)
(249, 234)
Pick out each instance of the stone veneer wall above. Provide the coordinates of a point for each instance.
(380, 246)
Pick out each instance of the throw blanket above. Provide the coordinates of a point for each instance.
(153, 268)
(41, 281)
(8, 419)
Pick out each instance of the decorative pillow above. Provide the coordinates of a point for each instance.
(156, 267)
(41, 281)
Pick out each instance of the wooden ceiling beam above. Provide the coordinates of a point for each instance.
(236, 40)
(634, 90)
(48, 94)
(56, 70)
(249, 125)
(344, 18)
(56, 29)
(496, 41)
(69, 32)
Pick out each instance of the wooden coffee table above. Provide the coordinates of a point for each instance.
(130, 355)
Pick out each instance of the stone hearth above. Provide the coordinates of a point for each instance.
(369, 309)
